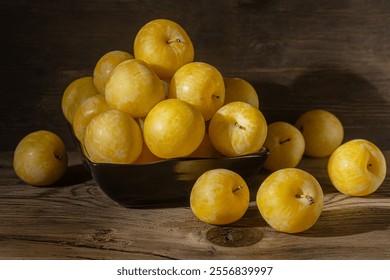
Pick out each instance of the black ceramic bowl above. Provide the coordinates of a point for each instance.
(167, 182)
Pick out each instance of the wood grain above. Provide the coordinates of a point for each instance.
(299, 55)
(75, 220)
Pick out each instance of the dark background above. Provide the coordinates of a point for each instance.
(299, 55)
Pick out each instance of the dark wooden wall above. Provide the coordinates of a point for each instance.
(299, 55)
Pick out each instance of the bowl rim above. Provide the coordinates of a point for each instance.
(264, 151)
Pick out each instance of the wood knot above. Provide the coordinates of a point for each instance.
(234, 237)
(102, 235)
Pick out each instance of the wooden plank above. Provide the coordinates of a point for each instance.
(298, 55)
(75, 220)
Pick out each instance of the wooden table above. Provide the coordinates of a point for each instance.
(299, 55)
(76, 220)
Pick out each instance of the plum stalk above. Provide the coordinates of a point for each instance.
(308, 197)
(177, 40)
(240, 126)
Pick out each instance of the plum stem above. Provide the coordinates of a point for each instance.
(177, 40)
(284, 141)
(59, 157)
(240, 126)
(237, 189)
(308, 197)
